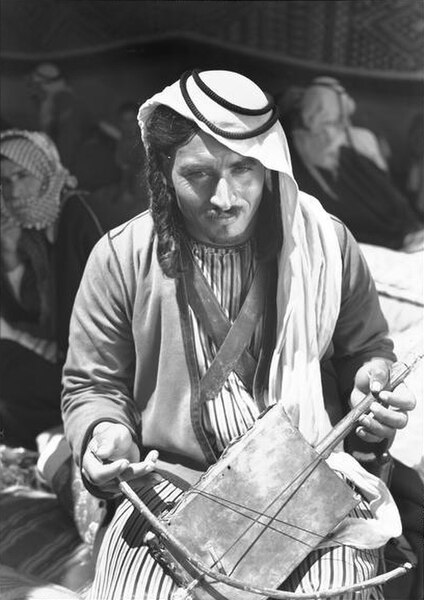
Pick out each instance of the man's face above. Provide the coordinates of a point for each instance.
(20, 188)
(36, 88)
(218, 191)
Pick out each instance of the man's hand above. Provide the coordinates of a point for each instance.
(113, 454)
(9, 241)
(390, 412)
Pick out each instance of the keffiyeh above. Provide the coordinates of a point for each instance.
(35, 152)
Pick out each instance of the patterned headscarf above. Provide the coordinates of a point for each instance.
(35, 152)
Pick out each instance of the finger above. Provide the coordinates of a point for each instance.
(396, 419)
(356, 396)
(153, 455)
(101, 473)
(108, 488)
(138, 470)
(373, 427)
(142, 468)
(400, 398)
(366, 436)
(102, 448)
(379, 376)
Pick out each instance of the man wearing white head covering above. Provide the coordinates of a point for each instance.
(148, 373)
(344, 167)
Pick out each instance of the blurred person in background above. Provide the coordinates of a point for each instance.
(131, 157)
(47, 233)
(129, 196)
(86, 143)
(61, 113)
(346, 168)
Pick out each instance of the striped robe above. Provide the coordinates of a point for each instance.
(125, 568)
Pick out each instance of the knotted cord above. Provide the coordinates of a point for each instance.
(224, 103)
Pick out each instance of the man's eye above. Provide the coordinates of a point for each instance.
(242, 169)
(197, 175)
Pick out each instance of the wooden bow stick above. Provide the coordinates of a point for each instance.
(209, 571)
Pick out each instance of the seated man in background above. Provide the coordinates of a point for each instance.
(346, 169)
(62, 114)
(126, 198)
(145, 371)
(85, 142)
(47, 233)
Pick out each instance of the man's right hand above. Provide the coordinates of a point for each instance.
(9, 241)
(111, 455)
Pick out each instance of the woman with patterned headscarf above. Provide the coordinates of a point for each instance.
(47, 232)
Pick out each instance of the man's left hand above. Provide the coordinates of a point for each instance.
(390, 411)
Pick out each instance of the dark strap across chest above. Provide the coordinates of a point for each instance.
(231, 339)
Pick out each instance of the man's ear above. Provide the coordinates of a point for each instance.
(268, 180)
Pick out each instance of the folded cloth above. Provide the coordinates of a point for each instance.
(16, 586)
(38, 539)
(396, 273)
(56, 467)
(365, 533)
(18, 467)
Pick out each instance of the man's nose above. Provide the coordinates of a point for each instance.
(222, 196)
(17, 189)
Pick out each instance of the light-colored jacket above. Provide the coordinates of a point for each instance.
(131, 357)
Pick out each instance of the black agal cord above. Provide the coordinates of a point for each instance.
(224, 103)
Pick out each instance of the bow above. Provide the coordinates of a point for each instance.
(210, 581)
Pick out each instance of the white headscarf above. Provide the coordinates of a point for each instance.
(326, 110)
(309, 275)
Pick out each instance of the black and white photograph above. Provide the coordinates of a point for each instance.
(212, 299)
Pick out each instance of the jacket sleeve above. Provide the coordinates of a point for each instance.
(361, 331)
(98, 373)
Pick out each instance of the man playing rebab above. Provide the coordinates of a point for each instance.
(231, 252)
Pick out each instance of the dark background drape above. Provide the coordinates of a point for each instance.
(117, 50)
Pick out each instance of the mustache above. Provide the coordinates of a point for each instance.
(216, 213)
